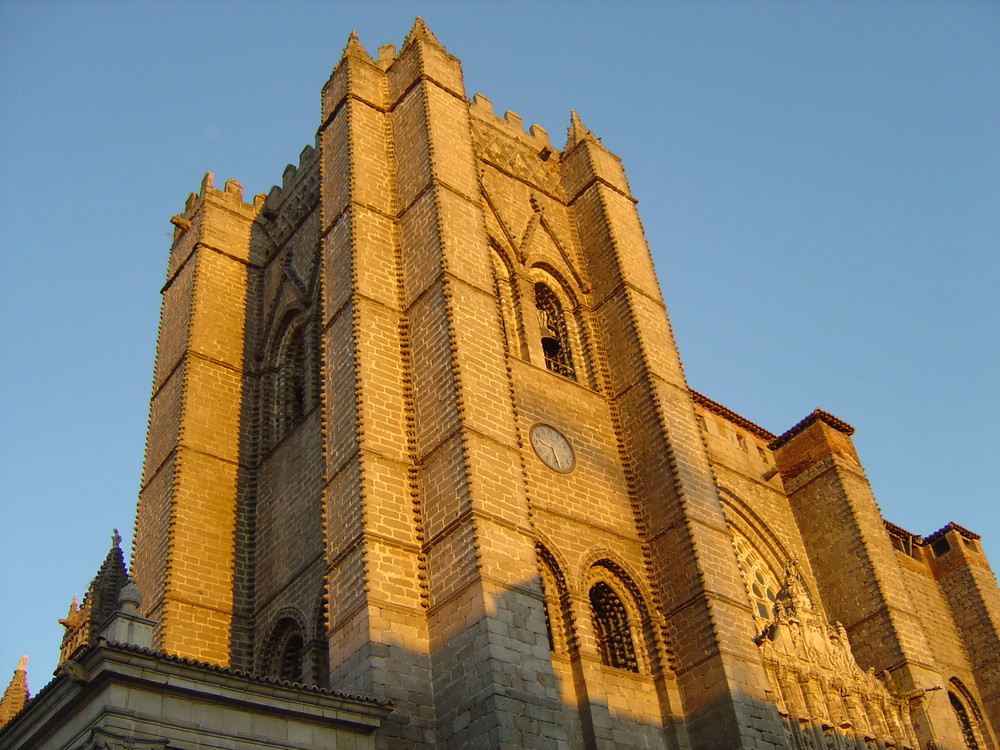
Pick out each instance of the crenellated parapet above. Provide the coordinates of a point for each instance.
(208, 218)
(524, 155)
(287, 205)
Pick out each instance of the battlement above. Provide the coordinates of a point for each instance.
(230, 195)
(511, 123)
(285, 207)
(291, 178)
(386, 55)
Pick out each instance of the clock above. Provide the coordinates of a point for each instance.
(552, 448)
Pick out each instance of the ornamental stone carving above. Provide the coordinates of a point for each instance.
(826, 700)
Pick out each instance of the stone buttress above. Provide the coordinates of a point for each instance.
(426, 560)
(420, 431)
(861, 582)
(718, 672)
(184, 546)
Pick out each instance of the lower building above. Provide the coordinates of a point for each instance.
(423, 471)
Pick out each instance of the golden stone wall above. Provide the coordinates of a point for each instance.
(419, 430)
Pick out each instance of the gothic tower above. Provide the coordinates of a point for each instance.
(420, 431)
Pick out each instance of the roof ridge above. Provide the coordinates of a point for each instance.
(816, 415)
(725, 411)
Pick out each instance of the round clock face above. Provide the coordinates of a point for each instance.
(552, 448)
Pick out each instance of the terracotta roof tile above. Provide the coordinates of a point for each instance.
(948, 527)
(722, 411)
(817, 415)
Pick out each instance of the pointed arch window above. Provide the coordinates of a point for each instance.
(761, 584)
(290, 660)
(506, 293)
(614, 636)
(557, 624)
(555, 337)
(286, 652)
(290, 381)
(965, 721)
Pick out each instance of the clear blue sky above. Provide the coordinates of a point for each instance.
(819, 184)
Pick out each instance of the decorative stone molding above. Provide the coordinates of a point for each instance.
(825, 698)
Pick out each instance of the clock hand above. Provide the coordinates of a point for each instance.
(562, 461)
(551, 453)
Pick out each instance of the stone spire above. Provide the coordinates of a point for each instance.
(577, 131)
(101, 601)
(107, 584)
(16, 694)
(355, 48)
(420, 31)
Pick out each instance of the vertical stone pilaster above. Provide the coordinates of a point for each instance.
(964, 575)
(486, 611)
(184, 548)
(855, 566)
(719, 676)
(377, 630)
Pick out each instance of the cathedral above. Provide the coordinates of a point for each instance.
(423, 471)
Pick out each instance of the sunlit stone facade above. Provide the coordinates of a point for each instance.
(420, 432)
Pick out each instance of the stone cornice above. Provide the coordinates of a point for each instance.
(818, 415)
(726, 413)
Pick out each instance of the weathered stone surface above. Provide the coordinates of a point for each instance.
(345, 484)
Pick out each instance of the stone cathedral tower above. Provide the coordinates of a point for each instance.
(420, 432)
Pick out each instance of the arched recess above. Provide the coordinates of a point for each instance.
(760, 581)
(615, 637)
(565, 344)
(287, 385)
(558, 621)
(317, 649)
(760, 555)
(970, 718)
(505, 286)
(283, 655)
(620, 617)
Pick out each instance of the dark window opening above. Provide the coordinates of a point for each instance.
(290, 664)
(940, 547)
(285, 652)
(555, 338)
(965, 721)
(905, 545)
(290, 398)
(293, 377)
(614, 636)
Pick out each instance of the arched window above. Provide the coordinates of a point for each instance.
(762, 587)
(506, 292)
(555, 338)
(614, 636)
(289, 661)
(283, 657)
(965, 721)
(557, 622)
(290, 382)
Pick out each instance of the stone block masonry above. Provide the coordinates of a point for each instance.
(420, 431)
